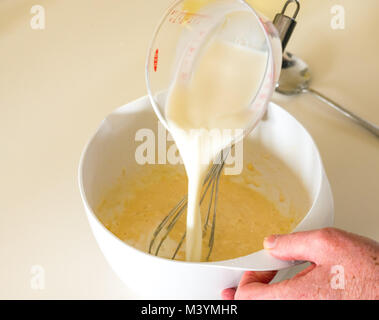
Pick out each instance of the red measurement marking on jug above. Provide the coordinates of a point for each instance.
(156, 60)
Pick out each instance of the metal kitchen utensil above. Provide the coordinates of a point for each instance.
(295, 79)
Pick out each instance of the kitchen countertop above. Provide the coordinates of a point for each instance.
(57, 84)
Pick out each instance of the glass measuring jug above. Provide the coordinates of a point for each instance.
(183, 33)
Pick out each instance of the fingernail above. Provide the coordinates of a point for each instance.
(270, 242)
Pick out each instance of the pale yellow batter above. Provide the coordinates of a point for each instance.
(136, 204)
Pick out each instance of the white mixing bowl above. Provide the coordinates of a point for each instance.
(112, 148)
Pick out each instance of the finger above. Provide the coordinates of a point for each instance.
(251, 283)
(248, 277)
(309, 246)
(285, 290)
(305, 271)
(228, 294)
(261, 277)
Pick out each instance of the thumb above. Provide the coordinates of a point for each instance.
(309, 246)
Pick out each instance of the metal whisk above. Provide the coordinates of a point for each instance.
(211, 182)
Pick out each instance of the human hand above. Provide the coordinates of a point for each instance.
(344, 266)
